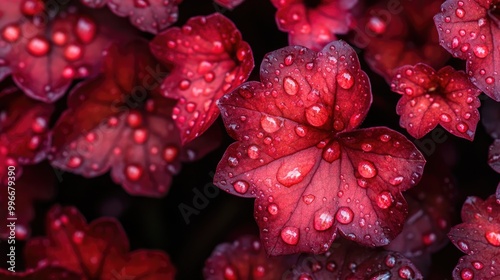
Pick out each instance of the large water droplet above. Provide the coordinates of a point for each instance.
(288, 60)
(85, 29)
(460, 13)
(406, 272)
(467, 274)
(390, 261)
(331, 152)
(133, 172)
(493, 238)
(322, 220)
(134, 119)
(241, 186)
(345, 79)
(290, 86)
(290, 235)
(291, 173)
(253, 152)
(140, 135)
(11, 33)
(445, 118)
(270, 124)
(316, 115)
(73, 52)
(272, 208)
(384, 200)
(367, 169)
(481, 51)
(462, 127)
(38, 46)
(344, 215)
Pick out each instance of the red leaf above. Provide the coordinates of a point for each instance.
(469, 30)
(151, 16)
(44, 272)
(229, 4)
(45, 57)
(98, 250)
(37, 183)
(24, 137)
(478, 237)
(445, 97)
(346, 260)
(397, 33)
(299, 155)
(209, 59)
(313, 26)
(243, 259)
(120, 122)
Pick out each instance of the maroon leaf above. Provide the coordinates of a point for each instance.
(478, 237)
(98, 250)
(45, 56)
(120, 122)
(346, 260)
(243, 259)
(469, 30)
(151, 16)
(397, 33)
(229, 4)
(445, 97)
(313, 25)
(24, 137)
(37, 183)
(209, 59)
(299, 155)
(44, 272)
(494, 155)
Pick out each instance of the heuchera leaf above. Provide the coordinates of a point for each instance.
(98, 250)
(229, 4)
(445, 97)
(346, 260)
(398, 33)
(469, 30)
(37, 183)
(151, 16)
(46, 55)
(43, 272)
(313, 25)
(244, 259)
(431, 215)
(478, 237)
(24, 133)
(120, 121)
(209, 58)
(299, 154)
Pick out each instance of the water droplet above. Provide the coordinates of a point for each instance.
(345, 79)
(490, 80)
(218, 47)
(406, 272)
(331, 266)
(429, 238)
(133, 172)
(39, 125)
(241, 186)
(184, 84)
(385, 138)
(331, 152)
(390, 261)
(381, 275)
(38, 46)
(272, 209)
(85, 29)
(322, 220)
(134, 119)
(367, 169)
(78, 237)
(384, 200)
(290, 86)
(140, 135)
(300, 131)
(290, 235)
(253, 152)
(481, 51)
(288, 60)
(463, 246)
(467, 274)
(74, 162)
(292, 173)
(396, 180)
(344, 215)
(462, 127)
(11, 33)
(478, 265)
(317, 115)
(141, 3)
(308, 199)
(460, 13)
(259, 272)
(229, 273)
(362, 183)
(445, 118)
(366, 147)
(190, 107)
(493, 238)
(270, 124)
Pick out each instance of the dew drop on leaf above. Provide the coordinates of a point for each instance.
(74, 162)
(467, 274)
(133, 172)
(308, 199)
(366, 169)
(317, 115)
(493, 238)
(38, 46)
(290, 235)
(406, 272)
(345, 79)
(78, 237)
(290, 86)
(322, 220)
(390, 261)
(241, 186)
(253, 152)
(272, 209)
(270, 124)
(344, 215)
(384, 200)
(331, 152)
